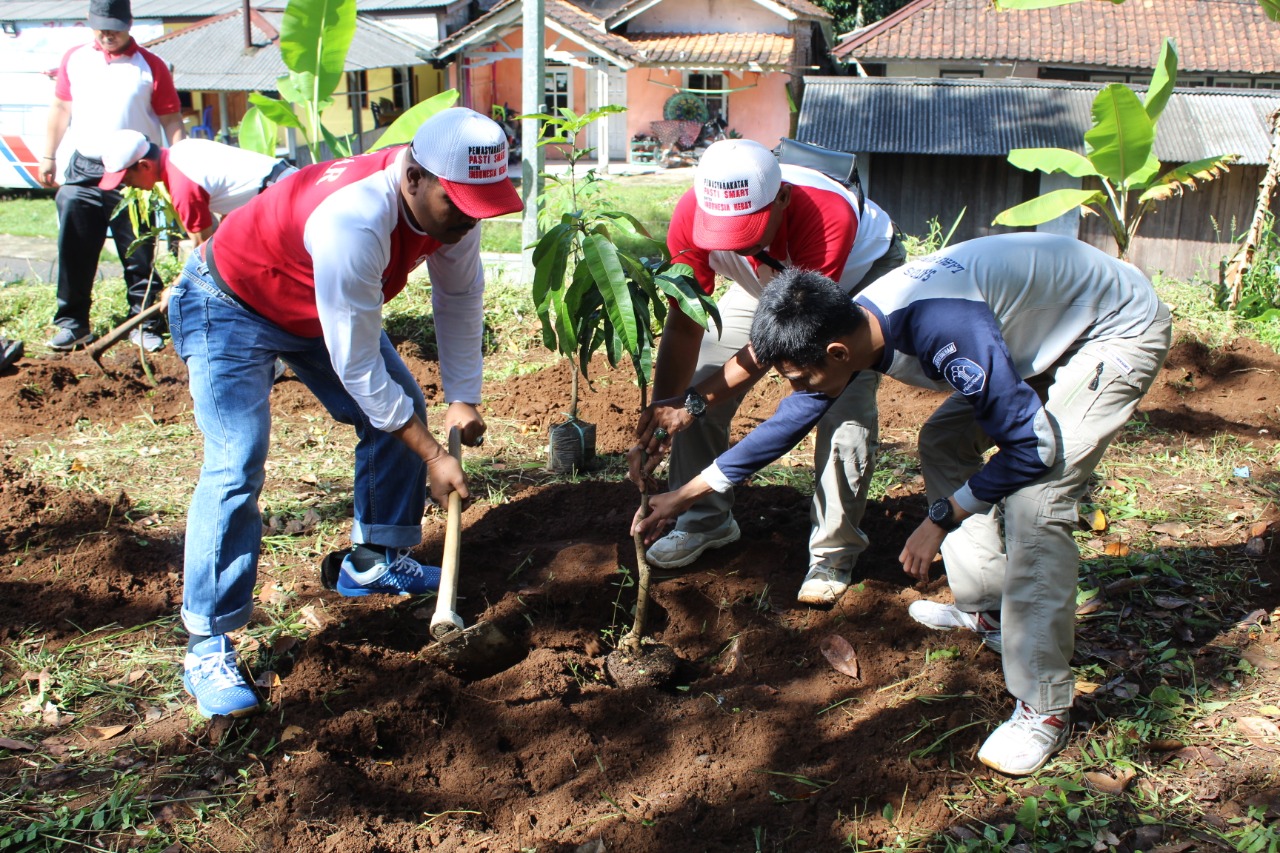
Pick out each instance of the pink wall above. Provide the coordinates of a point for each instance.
(760, 113)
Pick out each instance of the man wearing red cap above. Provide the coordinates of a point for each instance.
(301, 273)
(106, 85)
(747, 217)
(205, 179)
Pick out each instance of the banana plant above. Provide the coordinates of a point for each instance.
(315, 36)
(1270, 7)
(1119, 154)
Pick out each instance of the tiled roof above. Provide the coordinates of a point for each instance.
(766, 50)
(507, 15)
(991, 117)
(1211, 35)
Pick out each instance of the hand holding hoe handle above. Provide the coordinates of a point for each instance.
(445, 622)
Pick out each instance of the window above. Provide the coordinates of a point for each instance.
(717, 104)
(555, 89)
(1232, 83)
(1266, 84)
(961, 73)
(358, 89)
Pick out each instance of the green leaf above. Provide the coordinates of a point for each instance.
(258, 132)
(1047, 207)
(601, 258)
(1272, 8)
(1171, 183)
(1162, 80)
(314, 38)
(339, 145)
(550, 257)
(1120, 140)
(684, 290)
(1143, 176)
(403, 128)
(278, 111)
(1050, 160)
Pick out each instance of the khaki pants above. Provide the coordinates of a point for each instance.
(1028, 571)
(848, 439)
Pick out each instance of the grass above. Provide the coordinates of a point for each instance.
(1168, 602)
(28, 214)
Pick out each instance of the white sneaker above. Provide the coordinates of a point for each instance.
(680, 547)
(147, 339)
(944, 617)
(1026, 741)
(824, 585)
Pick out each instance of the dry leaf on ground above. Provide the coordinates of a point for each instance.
(105, 732)
(840, 655)
(16, 745)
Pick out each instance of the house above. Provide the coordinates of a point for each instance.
(741, 60)
(1221, 43)
(931, 148)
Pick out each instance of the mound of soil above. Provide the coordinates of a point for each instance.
(756, 743)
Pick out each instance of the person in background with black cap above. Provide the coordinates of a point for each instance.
(109, 84)
(301, 272)
(746, 218)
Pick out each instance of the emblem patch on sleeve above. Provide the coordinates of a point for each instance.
(965, 376)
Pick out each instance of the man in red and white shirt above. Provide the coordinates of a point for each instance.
(301, 273)
(106, 85)
(204, 179)
(745, 218)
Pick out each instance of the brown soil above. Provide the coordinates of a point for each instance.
(756, 744)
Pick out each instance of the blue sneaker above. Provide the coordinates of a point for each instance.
(211, 675)
(396, 574)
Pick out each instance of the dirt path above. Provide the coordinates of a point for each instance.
(757, 745)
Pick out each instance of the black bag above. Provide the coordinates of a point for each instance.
(840, 166)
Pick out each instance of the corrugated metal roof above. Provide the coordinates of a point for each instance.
(210, 55)
(76, 10)
(991, 117)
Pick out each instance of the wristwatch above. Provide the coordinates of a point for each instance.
(943, 514)
(694, 403)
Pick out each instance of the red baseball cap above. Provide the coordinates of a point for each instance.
(468, 153)
(735, 183)
(120, 151)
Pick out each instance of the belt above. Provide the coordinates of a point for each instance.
(206, 255)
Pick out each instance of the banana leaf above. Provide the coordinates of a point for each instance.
(1047, 207)
(1120, 140)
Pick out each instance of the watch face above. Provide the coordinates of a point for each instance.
(940, 513)
(694, 404)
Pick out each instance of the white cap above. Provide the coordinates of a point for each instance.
(736, 182)
(468, 153)
(120, 150)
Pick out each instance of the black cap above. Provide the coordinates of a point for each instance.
(110, 15)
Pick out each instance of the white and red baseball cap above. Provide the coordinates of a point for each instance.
(120, 150)
(735, 183)
(468, 153)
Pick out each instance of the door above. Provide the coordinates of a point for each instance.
(615, 86)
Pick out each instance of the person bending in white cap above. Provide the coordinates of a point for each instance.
(205, 179)
(301, 273)
(746, 218)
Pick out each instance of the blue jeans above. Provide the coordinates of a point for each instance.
(230, 354)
